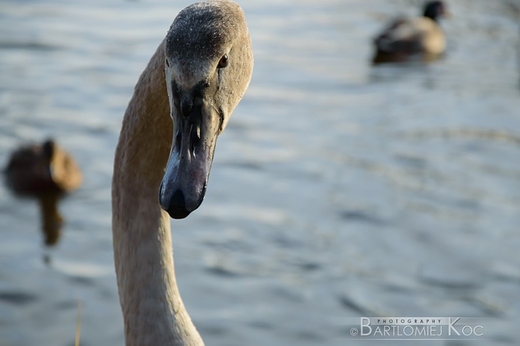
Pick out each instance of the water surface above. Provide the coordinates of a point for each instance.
(339, 190)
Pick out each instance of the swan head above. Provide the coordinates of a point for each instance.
(209, 63)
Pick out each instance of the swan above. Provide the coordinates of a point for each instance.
(406, 37)
(47, 172)
(180, 105)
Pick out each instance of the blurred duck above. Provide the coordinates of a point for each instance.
(407, 37)
(42, 168)
(47, 172)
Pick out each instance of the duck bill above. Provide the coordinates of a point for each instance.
(187, 172)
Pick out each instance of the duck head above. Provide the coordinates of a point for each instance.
(435, 9)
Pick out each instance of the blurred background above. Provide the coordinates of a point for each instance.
(338, 190)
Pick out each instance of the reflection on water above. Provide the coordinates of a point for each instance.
(339, 189)
(46, 173)
(52, 221)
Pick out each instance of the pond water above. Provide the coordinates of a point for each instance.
(339, 189)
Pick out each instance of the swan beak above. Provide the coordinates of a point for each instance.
(185, 180)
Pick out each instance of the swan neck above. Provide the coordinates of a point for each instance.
(153, 311)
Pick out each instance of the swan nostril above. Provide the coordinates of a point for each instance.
(194, 138)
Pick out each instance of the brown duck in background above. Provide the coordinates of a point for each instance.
(408, 37)
(46, 172)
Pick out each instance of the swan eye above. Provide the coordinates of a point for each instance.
(224, 61)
